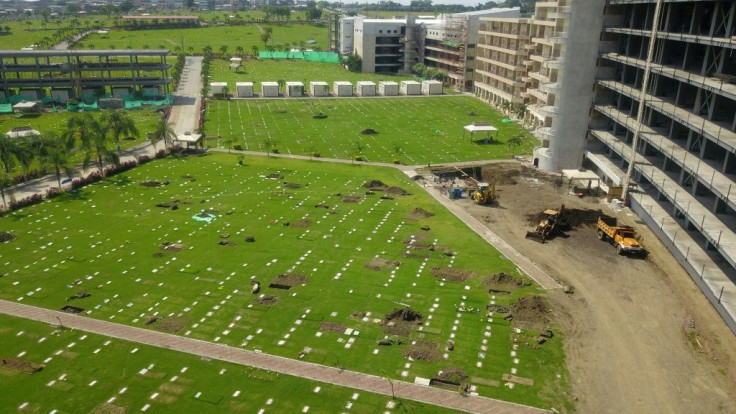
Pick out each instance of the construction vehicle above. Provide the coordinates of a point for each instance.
(621, 236)
(485, 193)
(546, 228)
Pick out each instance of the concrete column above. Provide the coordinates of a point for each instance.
(727, 160)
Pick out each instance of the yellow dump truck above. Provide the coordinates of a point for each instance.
(621, 236)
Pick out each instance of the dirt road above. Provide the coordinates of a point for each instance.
(639, 335)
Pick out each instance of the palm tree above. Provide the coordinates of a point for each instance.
(223, 50)
(56, 153)
(93, 136)
(521, 111)
(515, 141)
(506, 106)
(239, 51)
(6, 153)
(163, 131)
(5, 183)
(119, 123)
(25, 150)
(254, 50)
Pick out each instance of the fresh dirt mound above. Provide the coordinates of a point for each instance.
(6, 237)
(423, 351)
(282, 111)
(321, 205)
(275, 176)
(267, 300)
(452, 374)
(173, 324)
(358, 314)
(421, 213)
(452, 274)
(301, 224)
(378, 263)
(497, 309)
(503, 280)
(189, 177)
(106, 408)
(21, 365)
(404, 314)
(172, 247)
(351, 199)
(369, 131)
(292, 185)
(375, 184)
(151, 184)
(472, 114)
(532, 311)
(332, 327)
(291, 279)
(397, 191)
(320, 116)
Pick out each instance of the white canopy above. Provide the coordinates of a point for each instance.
(21, 132)
(476, 128)
(189, 138)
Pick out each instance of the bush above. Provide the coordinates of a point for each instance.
(359, 157)
(316, 154)
(397, 161)
(238, 147)
(53, 192)
(160, 154)
(25, 202)
(275, 150)
(143, 159)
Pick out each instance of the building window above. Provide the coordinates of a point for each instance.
(380, 31)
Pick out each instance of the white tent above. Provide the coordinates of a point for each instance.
(21, 132)
(189, 138)
(479, 127)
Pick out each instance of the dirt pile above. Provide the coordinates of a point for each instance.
(378, 185)
(332, 327)
(292, 185)
(173, 324)
(369, 131)
(533, 312)
(302, 224)
(378, 263)
(151, 184)
(172, 247)
(452, 274)
(405, 315)
(21, 365)
(275, 176)
(320, 116)
(6, 237)
(420, 213)
(503, 281)
(267, 300)
(291, 279)
(351, 199)
(423, 351)
(452, 374)
(571, 218)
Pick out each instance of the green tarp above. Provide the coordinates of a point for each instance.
(328, 57)
(6, 108)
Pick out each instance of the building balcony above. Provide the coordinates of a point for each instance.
(554, 63)
(544, 133)
(550, 87)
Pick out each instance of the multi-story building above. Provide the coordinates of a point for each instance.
(65, 74)
(667, 116)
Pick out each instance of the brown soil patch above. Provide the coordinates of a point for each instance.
(504, 281)
(321, 205)
(351, 199)
(571, 218)
(21, 365)
(302, 224)
(378, 263)
(532, 312)
(358, 314)
(320, 116)
(172, 247)
(452, 274)
(292, 185)
(420, 213)
(369, 131)
(173, 324)
(151, 184)
(374, 184)
(401, 321)
(6, 237)
(452, 374)
(332, 327)
(106, 408)
(423, 351)
(267, 300)
(397, 191)
(291, 279)
(275, 176)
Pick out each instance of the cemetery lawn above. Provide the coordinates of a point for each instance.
(258, 71)
(348, 259)
(247, 36)
(413, 130)
(82, 372)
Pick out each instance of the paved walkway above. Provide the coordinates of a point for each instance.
(315, 372)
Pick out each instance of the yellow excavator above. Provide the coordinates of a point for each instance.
(547, 226)
(485, 193)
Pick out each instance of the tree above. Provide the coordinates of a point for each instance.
(56, 153)
(25, 150)
(5, 183)
(223, 50)
(521, 111)
(268, 144)
(45, 13)
(254, 50)
(119, 123)
(515, 141)
(265, 38)
(163, 131)
(312, 12)
(94, 138)
(239, 51)
(282, 84)
(506, 106)
(6, 153)
(353, 62)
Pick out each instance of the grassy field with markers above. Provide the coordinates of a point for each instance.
(409, 129)
(355, 267)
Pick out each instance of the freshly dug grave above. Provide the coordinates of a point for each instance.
(173, 324)
(151, 184)
(452, 274)
(452, 374)
(6, 237)
(320, 116)
(275, 176)
(267, 300)
(423, 351)
(369, 131)
(351, 199)
(301, 224)
(291, 279)
(292, 185)
(332, 327)
(420, 213)
(21, 365)
(378, 263)
(503, 281)
(172, 247)
(378, 185)
(532, 312)
(401, 321)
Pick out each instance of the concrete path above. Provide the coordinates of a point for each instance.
(315, 372)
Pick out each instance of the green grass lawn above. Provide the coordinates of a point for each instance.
(246, 36)
(258, 71)
(354, 257)
(426, 130)
(82, 372)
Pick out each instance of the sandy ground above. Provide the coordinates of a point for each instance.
(639, 335)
